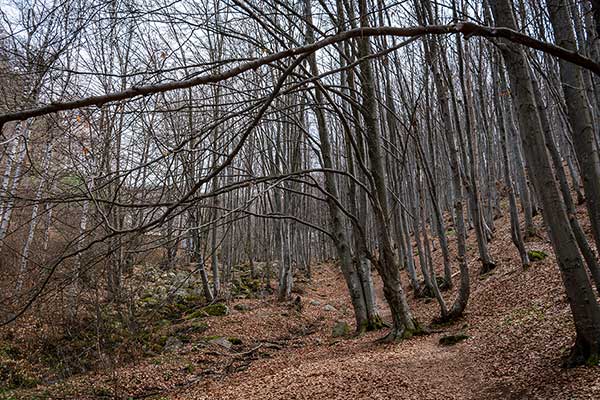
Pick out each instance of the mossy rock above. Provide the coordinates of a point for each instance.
(221, 341)
(197, 314)
(193, 299)
(216, 310)
(241, 307)
(246, 286)
(340, 329)
(449, 340)
(198, 327)
(194, 327)
(536, 255)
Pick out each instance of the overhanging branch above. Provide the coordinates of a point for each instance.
(469, 29)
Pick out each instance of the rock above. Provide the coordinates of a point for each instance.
(449, 340)
(171, 344)
(193, 298)
(315, 303)
(221, 341)
(241, 307)
(340, 329)
(216, 310)
(197, 314)
(194, 327)
(329, 307)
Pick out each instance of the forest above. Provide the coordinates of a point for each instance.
(299, 199)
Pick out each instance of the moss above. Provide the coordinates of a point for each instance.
(193, 298)
(593, 360)
(241, 307)
(340, 329)
(216, 310)
(450, 340)
(407, 334)
(536, 255)
(198, 326)
(149, 301)
(419, 330)
(246, 286)
(373, 324)
(189, 368)
(197, 314)
(235, 340)
(162, 340)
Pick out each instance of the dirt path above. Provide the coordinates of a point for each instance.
(519, 326)
(418, 369)
(321, 367)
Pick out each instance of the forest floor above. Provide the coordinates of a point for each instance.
(518, 325)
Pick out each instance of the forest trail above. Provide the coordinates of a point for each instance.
(318, 366)
(516, 323)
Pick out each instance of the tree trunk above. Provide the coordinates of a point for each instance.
(585, 309)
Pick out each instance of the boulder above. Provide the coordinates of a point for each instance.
(241, 307)
(329, 307)
(216, 310)
(221, 341)
(340, 329)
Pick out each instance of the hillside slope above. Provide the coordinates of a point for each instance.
(518, 323)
